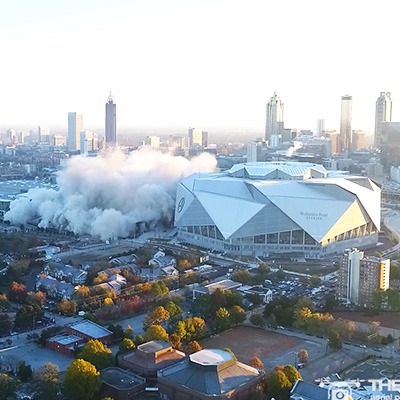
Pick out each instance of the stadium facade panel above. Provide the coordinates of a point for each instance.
(261, 209)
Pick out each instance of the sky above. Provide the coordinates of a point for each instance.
(196, 63)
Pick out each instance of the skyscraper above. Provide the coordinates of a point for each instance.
(320, 127)
(274, 120)
(383, 113)
(111, 122)
(345, 123)
(75, 127)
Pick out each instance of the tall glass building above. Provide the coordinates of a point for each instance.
(383, 113)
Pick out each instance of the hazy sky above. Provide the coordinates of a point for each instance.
(196, 62)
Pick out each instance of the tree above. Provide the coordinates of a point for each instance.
(155, 332)
(82, 381)
(5, 323)
(257, 363)
(315, 281)
(238, 315)
(8, 386)
(292, 374)
(126, 345)
(272, 322)
(36, 298)
(67, 307)
(24, 371)
(175, 341)
(4, 302)
(223, 321)
(174, 310)
(330, 302)
(278, 385)
(180, 329)
(28, 315)
(46, 382)
(303, 355)
(97, 354)
(156, 317)
(128, 332)
(82, 291)
(195, 328)
(192, 347)
(257, 320)
(334, 341)
(18, 292)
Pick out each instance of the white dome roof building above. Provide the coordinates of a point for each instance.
(278, 207)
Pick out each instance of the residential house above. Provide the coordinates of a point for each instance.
(55, 288)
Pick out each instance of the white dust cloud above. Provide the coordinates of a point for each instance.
(107, 195)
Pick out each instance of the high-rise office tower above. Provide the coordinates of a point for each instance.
(75, 127)
(274, 121)
(383, 113)
(320, 127)
(198, 137)
(43, 134)
(345, 122)
(111, 122)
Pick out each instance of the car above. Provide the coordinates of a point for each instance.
(300, 365)
(280, 327)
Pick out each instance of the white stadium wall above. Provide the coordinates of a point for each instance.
(251, 210)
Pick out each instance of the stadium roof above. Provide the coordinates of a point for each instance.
(321, 206)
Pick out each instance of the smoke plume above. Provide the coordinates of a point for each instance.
(107, 195)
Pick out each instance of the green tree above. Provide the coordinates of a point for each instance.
(82, 381)
(156, 317)
(8, 386)
(180, 329)
(278, 385)
(128, 332)
(126, 345)
(223, 321)
(257, 320)
(174, 310)
(315, 281)
(334, 340)
(24, 371)
(46, 380)
(238, 315)
(5, 323)
(28, 315)
(330, 302)
(97, 354)
(195, 328)
(292, 374)
(155, 332)
(272, 322)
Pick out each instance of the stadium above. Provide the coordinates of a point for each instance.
(268, 208)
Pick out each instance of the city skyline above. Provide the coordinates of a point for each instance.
(228, 81)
